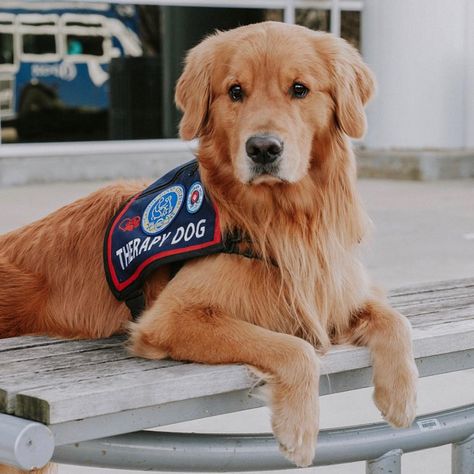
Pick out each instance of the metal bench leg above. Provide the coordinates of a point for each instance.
(389, 463)
(23, 443)
(463, 456)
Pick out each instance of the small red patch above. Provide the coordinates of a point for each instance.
(128, 224)
(194, 197)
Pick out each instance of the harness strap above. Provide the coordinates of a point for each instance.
(136, 304)
(231, 246)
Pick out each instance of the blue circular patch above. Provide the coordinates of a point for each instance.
(162, 210)
(195, 197)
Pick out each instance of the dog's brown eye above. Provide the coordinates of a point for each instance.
(299, 90)
(236, 93)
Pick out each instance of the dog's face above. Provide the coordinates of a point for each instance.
(269, 93)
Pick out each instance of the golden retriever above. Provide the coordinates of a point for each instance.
(273, 106)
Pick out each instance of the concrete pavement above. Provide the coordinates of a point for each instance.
(424, 231)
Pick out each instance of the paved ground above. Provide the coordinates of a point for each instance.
(424, 232)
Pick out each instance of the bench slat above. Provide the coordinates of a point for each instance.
(88, 370)
(114, 394)
(431, 287)
(56, 349)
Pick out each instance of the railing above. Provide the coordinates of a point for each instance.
(189, 452)
(31, 444)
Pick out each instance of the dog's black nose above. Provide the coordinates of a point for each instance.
(263, 149)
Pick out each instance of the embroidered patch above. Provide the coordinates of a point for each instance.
(161, 211)
(129, 224)
(195, 197)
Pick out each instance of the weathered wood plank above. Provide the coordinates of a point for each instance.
(53, 363)
(445, 298)
(442, 317)
(49, 350)
(436, 286)
(24, 342)
(433, 301)
(458, 299)
(12, 384)
(154, 387)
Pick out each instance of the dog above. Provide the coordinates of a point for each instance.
(274, 107)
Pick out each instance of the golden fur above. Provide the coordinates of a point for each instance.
(307, 218)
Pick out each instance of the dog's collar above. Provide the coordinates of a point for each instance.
(236, 239)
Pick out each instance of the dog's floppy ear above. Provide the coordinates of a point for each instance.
(354, 86)
(193, 90)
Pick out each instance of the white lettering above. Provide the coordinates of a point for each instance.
(200, 228)
(134, 248)
(154, 242)
(178, 236)
(119, 255)
(65, 70)
(144, 246)
(189, 232)
(127, 253)
(136, 243)
(164, 237)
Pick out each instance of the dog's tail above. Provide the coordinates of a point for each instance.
(22, 297)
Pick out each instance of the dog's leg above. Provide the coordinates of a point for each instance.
(203, 333)
(388, 335)
(22, 296)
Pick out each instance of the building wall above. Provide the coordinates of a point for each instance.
(422, 52)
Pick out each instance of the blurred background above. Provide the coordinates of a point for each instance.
(86, 95)
(82, 71)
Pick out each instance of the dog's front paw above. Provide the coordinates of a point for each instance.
(295, 423)
(395, 395)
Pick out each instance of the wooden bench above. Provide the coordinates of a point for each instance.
(84, 390)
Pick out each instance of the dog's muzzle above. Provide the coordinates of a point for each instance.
(264, 149)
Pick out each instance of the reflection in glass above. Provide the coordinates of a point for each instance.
(39, 44)
(6, 48)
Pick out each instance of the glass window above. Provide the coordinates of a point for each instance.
(6, 48)
(39, 44)
(350, 27)
(273, 15)
(315, 19)
(82, 44)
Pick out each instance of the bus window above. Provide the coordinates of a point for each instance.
(39, 44)
(6, 48)
(81, 44)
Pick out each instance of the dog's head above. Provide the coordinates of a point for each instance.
(268, 94)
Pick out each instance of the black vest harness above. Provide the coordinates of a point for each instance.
(171, 221)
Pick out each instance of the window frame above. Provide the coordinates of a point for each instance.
(10, 28)
(86, 31)
(37, 29)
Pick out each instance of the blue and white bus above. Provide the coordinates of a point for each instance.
(64, 48)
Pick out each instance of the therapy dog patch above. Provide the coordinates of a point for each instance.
(170, 221)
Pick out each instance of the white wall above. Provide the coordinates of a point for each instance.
(423, 56)
(469, 85)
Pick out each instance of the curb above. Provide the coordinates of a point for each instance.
(72, 162)
(417, 165)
